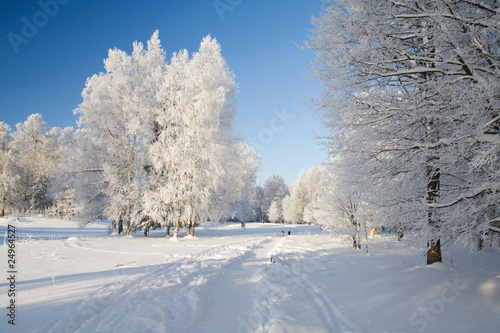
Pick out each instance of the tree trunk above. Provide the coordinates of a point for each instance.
(128, 231)
(434, 252)
(365, 230)
(480, 242)
(120, 225)
(177, 225)
(356, 239)
(168, 231)
(176, 230)
(193, 223)
(399, 231)
(130, 167)
(433, 187)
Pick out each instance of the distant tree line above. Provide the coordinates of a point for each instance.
(155, 148)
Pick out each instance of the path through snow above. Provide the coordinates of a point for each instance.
(229, 307)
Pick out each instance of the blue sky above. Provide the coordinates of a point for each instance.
(45, 70)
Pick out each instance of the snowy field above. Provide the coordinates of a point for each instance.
(82, 280)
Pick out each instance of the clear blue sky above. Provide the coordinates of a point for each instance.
(259, 39)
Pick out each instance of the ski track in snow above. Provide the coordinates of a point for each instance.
(268, 279)
(288, 276)
(331, 316)
(222, 312)
(168, 294)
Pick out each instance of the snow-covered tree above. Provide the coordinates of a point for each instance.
(249, 164)
(296, 201)
(274, 189)
(62, 189)
(275, 211)
(117, 112)
(79, 181)
(339, 206)
(210, 115)
(163, 197)
(258, 198)
(194, 138)
(309, 210)
(233, 195)
(307, 190)
(411, 94)
(33, 154)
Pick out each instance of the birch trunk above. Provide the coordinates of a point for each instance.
(193, 222)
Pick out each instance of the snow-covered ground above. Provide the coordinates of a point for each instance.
(82, 280)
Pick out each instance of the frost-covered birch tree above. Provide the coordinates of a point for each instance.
(411, 93)
(306, 191)
(274, 189)
(275, 212)
(339, 207)
(163, 197)
(116, 110)
(246, 169)
(210, 134)
(194, 138)
(33, 154)
(81, 186)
